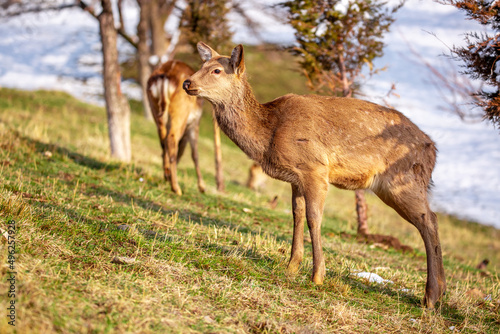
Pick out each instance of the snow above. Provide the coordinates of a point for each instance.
(467, 176)
(61, 50)
(497, 70)
(373, 278)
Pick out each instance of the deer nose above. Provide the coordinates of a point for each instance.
(186, 84)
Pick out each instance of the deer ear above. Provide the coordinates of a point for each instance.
(237, 61)
(206, 52)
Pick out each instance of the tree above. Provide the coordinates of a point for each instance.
(143, 54)
(336, 40)
(117, 107)
(205, 20)
(151, 38)
(481, 55)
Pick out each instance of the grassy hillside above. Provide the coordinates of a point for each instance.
(104, 247)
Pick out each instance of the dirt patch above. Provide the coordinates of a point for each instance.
(384, 241)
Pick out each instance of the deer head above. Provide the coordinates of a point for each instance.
(219, 77)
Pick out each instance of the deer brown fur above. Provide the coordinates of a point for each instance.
(177, 117)
(312, 141)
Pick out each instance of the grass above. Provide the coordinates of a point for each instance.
(203, 263)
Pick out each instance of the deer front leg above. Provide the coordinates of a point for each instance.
(299, 211)
(314, 194)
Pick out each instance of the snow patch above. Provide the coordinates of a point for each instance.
(373, 278)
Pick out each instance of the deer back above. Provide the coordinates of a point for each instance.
(166, 96)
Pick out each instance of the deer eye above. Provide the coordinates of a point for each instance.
(216, 71)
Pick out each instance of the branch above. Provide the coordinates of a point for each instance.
(252, 25)
(120, 30)
(37, 9)
(455, 90)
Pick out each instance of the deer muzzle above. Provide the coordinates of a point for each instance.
(187, 87)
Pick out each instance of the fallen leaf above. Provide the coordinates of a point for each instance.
(208, 319)
(475, 294)
(4, 233)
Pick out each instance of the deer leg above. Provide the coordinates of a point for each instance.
(411, 203)
(161, 125)
(299, 210)
(172, 145)
(193, 141)
(182, 146)
(314, 195)
(435, 287)
(436, 281)
(166, 162)
(162, 133)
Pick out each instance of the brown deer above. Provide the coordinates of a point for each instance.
(177, 116)
(311, 141)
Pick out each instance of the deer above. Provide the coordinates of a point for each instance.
(311, 141)
(177, 116)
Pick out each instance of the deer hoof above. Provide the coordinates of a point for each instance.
(317, 279)
(292, 268)
(201, 188)
(319, 275)
(431, 298)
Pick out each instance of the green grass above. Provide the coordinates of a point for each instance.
(204, 263)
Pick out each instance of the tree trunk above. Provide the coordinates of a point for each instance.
(219, 177)
(361, 207)
(117, 107)
(346, 87)
(159, 43)
(143, 54)
(361, 210)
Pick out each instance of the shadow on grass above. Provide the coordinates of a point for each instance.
(78, 158)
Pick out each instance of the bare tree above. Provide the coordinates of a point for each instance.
(117, 107)
(160, 11)
(144, 69)
(10, 8)
(458, 92)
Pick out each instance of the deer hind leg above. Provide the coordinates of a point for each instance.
(182, 146)
(314, 195)
(174, 134)
(409, 198)
(299, 213)
(161, 124)
(192, 133)
(159, 105)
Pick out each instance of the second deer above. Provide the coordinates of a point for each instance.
(177, 116)
(310, 141)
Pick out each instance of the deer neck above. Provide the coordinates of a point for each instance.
(245, 121)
